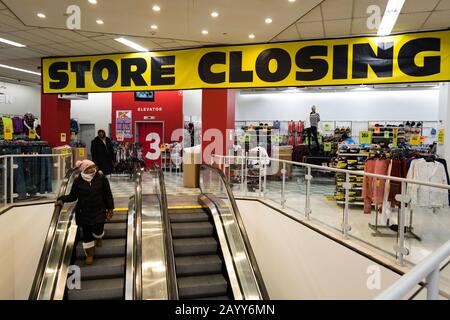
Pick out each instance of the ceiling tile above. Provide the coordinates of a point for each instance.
(359, 27)
(444, 5)
(70, 35)
(313, 16)
(290, 33)
(410, 22)
(337, 9)
(438, 20)
(337, 28)
(310, 30)
(419, 5)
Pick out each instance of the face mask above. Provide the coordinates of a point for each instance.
(88, 176)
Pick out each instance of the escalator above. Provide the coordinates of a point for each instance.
(62, 273)
(105, 279)
(200, 268)
(208, 255)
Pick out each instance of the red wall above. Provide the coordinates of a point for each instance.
(55, 119)
(170, 103)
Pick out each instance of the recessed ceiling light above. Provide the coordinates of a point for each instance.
(292, 0)
(92, 1)
(15, 44)
(131, 44)
(19, 69)
(99, 21)
(156, 8)
(41, 15)
(251, 36)
(214, 14)
(154, 26)
(205, 31)
(268, 20)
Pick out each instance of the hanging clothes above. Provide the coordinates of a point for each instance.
(300, 127)
(373, 188)
(291, 127)
(444, 163)
(424, 196)
(18, 125)
(395, 186)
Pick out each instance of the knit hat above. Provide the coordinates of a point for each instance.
(83, 165)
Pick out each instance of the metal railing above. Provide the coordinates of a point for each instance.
(401, 251)
(428, 269)
(36, 288)
(60, 163)
(172, 285)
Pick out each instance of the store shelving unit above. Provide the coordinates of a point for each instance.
(354, 162)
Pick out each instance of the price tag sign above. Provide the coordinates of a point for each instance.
(63, 137)
(395, 140)
(414, 140)
(387, 134)
(327, 146)
(441, 136)
(248, 138)
(327, 127)
(365, 137)
(8, 134)
(32, 134)
(377, 130)
(81, 152)
(64, 152)
(422, 139)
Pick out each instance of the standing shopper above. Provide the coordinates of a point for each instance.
(94, 207)
(314, 119)
(102, 152)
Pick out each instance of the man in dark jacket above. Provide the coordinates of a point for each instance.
(94, 207)
(102, 152)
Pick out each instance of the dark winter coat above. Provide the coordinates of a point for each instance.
(103, 155)
(93, 199)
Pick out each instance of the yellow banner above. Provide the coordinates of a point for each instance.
(414, 57)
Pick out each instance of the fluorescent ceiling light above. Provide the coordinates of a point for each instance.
(18, 69)
(15, 44)
(41, 15)
(393, 9)
(131, 44)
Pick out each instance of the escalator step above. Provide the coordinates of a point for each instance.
(115, 230)
(108, 289)
(102, 268)
(119, 217)
(196, 265)
(189, 217)
(110, 248)
(193, 229)
(190, 210)
(194, 246)
(202, 286)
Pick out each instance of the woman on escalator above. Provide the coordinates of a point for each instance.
(94, 207)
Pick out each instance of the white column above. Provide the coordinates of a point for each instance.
(444, 117)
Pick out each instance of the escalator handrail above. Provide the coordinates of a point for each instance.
(240, 223)
(172, 286)
(39, 275)
(137, 246)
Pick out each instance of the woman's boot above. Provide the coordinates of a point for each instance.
(89, 256)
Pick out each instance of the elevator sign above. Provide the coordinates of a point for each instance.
(407, 58)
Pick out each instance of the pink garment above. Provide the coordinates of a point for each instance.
(83, 165)
(373, 189)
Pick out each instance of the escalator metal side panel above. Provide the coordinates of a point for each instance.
(229, 264)
(130, 260)
(63, 272)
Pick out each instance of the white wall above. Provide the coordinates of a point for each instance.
(22, 235)
(398, 105)
(192, 105)
(24, 98)
(444, 115)
(97, 110)
(298, 263)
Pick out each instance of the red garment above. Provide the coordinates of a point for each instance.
(373, 188)
(298, 140)
(396, 187)
(300, 127)
(291, 127)
(291, 140)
